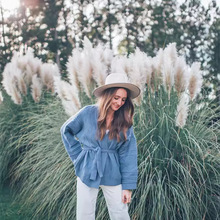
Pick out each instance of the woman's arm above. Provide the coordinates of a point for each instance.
(68, 131)
(128, 162)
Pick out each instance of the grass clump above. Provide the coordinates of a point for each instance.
(178, 140)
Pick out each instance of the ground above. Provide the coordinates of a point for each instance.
(8, 209)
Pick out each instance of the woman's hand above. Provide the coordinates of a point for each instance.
(126, 196)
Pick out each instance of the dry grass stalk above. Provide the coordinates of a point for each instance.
(180, 75)
(157, 63)
(36, 88)
(182, 110)
(100, 70)
(47, 72)
(15, 95)
(69, 107)
(120, 64)
(149, 70)
(68, 94)
(28, 64)
(170, 52)
(138, 72)
(10, 82)
(168, 75)
(73, 66)
(195, 80)
(107, 56)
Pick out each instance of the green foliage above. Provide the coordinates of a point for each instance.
(53, 28)
(178, 168)
(9, 210)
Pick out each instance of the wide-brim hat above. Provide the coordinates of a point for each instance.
(118, 80)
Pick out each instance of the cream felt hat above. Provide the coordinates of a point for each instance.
(118, 80)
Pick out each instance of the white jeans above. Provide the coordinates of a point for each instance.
(86, 202)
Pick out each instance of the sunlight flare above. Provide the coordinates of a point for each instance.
(10, 4)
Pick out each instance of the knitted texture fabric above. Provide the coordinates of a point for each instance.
(99, 162)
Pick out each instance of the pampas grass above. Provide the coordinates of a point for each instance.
(45, 171)
(120, 64)
(36, 88)
(47, 72)
(175, 181)
(69, 96)
(180, 75)
(72, 67)
(10, 82)
(168, 75)
(98, 67)
(178, 143)
(25, 72)
(195, 81)
(138, 71)
(170, 53)
(182, 110)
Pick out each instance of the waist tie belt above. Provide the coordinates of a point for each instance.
(97, 162)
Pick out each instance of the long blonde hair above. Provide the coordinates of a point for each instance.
(123, 117)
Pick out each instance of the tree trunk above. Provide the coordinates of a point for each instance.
(3, 24)
(109, 24)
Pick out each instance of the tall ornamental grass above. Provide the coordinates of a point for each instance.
(28, 85)
(178, 167)
(177, 136)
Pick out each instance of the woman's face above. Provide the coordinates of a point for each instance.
(118, 99)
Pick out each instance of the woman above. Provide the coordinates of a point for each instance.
(100, 141)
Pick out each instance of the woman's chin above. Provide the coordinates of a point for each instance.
(114, 108)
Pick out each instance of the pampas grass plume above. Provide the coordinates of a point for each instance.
(168, 75)
(47, 72)
(10, 82)
(73, 66)
(107, 56)
(170, 52)
(33, 67)
(148, 69)
(69, 107)
(84, 73)
(87, 45)
(16, 74)
(180, 75)
(67, 93)
(20, 60)
(28, 64)
(36, 88)
(120, 64)
(195, 80)
(182, 110)
(157, 63)
(99, 68)
(137, 74)
(20, 81)
(16, 95)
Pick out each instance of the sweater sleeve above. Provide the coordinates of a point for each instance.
(128, 162)
(69, 131)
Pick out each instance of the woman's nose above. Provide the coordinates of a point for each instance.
(119, 101)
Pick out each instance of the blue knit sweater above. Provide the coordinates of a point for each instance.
(99, 162)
